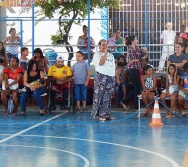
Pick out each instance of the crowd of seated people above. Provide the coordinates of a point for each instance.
(135, 75)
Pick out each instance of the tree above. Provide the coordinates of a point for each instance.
(69, 9)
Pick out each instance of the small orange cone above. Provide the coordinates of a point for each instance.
(156, 116)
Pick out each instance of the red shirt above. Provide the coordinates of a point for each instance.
(13, 76)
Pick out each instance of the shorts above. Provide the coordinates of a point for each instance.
(62, 86)
(80, 92)
(183, 94)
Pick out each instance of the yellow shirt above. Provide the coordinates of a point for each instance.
(59, 72)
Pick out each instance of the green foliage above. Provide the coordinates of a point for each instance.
(56, 37)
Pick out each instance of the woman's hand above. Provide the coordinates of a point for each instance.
(86, 83)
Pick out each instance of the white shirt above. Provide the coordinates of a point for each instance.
(168, 36)
(108, 68)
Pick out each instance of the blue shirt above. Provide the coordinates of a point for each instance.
(80, 70)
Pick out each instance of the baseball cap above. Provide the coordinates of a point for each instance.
(184, 36)
(60, 57)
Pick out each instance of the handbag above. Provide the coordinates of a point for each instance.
(13, 87)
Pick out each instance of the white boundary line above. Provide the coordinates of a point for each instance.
(32, 127)
(171, 161)
(87, 163)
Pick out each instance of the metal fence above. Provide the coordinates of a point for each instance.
(145, 18)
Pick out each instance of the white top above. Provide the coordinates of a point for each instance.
(13, 49)
(108, 68)
(1, 71)
(23, 63)
(168, 37)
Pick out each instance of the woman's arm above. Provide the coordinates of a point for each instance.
(19, 77)
(6, 60)
(5, 40)
(25, 80)
(42, 75)
(103, 59)
(143, 83)
(180, 65)
(176, 79)
(154, 83)
(87, 78)
(167, 85)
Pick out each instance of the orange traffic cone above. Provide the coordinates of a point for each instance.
(156, 116)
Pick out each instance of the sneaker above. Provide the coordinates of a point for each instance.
(109, 117)
(64, 108)
(102, 118)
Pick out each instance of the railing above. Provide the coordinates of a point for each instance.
(154, 52)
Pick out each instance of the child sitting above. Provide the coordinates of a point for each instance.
(40, 81)
(149, 85)
(183, 86)
(122, 78)
(111, 42)
(172, 80)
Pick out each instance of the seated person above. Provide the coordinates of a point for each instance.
(183, 92)
(33, 74)
(59, 74)
(38, 82)
(122, 78)
(14, 73)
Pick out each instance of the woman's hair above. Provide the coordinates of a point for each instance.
(30, 66)
(145, 68)
(2, 52)
(84, 26)
(11, 29)
(172, 65)
(16, 58)
(121, 56)
(80, 53)
(38, 50)
(178, 43)
(130, 39)
(117, 29)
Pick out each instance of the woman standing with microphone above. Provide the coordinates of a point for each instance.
(104, 82)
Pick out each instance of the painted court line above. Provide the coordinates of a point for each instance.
(87, 163)
(171, 161)
(185, 160)
(32, 127)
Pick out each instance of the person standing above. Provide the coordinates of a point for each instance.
(83, 43)
(12, 42)
(133, 66)
(118, 41)
(81, 79)
(167, 38)
(104, 82)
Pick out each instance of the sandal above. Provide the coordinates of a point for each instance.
(124, 106)
(23, 114)
(77, 110)
(109, 117)
(42, 112)
(84, 109)
(102, 118)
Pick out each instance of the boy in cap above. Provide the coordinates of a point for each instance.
(59, 74)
